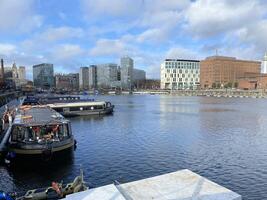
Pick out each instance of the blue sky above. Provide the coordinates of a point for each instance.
(74, 33)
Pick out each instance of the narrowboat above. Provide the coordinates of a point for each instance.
(70, 106)
(83, 108)
(39, 132)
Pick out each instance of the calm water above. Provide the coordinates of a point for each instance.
(222, 139)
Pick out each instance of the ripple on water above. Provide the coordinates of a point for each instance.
(219, 138)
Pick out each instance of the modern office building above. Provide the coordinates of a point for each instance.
(179, 74)
(221, 71)
(139, 77)
(9, 81)
(22, 73)
(139, 74)
(126, 69)
(107, 75)
(43, 75)
(264, 64)
(67, 82)
(93, 77)
(84, 78)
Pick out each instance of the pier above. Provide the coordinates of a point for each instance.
(210, 93)
(179, 185)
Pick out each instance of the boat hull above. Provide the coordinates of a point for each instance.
(106, 111)
(53, 152)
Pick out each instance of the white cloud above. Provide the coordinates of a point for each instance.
(18, 16)
(182, 53)
(65, 52)
(154, 35)
(60, 33)
(106, 47)
(7, 49)
(207, 18)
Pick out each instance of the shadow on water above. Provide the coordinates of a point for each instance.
(40, 173)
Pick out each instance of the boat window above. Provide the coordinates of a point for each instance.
(40, 134)
(17, 134)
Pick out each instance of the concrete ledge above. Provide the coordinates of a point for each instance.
(179, 185)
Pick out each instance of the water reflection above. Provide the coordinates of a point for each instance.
(222, 139)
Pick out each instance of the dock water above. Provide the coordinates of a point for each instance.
(179, 185)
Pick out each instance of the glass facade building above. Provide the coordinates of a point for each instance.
(43, 75)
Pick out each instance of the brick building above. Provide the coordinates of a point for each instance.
(67, 81)
(221, 71)
(252, 81)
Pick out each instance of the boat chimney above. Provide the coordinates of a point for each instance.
(2, 75)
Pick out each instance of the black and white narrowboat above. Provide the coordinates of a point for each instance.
(38, 131)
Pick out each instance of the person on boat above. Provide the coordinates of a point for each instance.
(4, 120)
(57, 189)
(55, 131)
(10, 119)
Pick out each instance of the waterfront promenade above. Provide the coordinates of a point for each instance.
(213, 93)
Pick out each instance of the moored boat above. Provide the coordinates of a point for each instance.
(53, 192)
(72, 105)
(38, 132)
(83, 108)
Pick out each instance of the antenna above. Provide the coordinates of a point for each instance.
(216, 52)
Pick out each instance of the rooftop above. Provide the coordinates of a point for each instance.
(228, 58)
(38, 115)
(168, 59)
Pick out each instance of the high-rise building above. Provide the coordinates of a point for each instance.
(179, 74)
(67, 81)
(127, 66)
(2, 74)
(221, 71)
(22, 73)
(14, 71)
(93, 77)
(9, 81)
(43, 75)
(139, 74)
(264, 64)
(84, 78)
(139, 77)
(107, 75)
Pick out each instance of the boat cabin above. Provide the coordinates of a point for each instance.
(39, 124)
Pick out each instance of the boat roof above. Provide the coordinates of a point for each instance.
(38, 115)
(75, 104)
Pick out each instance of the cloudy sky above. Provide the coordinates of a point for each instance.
(74, 33)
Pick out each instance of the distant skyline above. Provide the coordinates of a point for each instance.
(74, 33)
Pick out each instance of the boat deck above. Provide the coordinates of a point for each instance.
(36, 115)
(179, 185)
